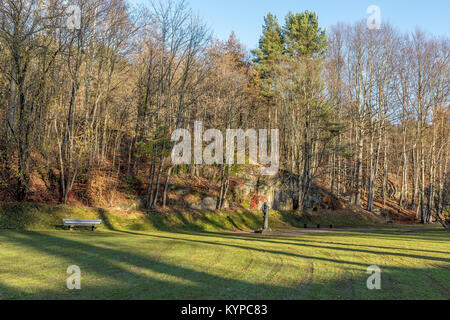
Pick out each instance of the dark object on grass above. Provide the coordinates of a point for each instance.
(261, 231)
(318, 226)
(331, 226)
(306, 226)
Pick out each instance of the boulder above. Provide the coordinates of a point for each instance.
(242, 190)
(279, 191)
(208, 204)
(283, 201)
(286, 204)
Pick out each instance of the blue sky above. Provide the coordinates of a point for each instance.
(245, 17)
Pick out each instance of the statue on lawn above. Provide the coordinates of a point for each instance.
(266, 210)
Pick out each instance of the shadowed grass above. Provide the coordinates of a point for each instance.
(38, 217)
(162, 265)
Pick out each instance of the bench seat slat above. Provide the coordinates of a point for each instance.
(82, 222)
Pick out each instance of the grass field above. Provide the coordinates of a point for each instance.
(37, 217)
(415, 264)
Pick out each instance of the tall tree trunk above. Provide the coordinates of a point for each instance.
(166, 186)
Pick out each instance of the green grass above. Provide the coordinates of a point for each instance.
(37, 217)
(192, 265)
(190, 256)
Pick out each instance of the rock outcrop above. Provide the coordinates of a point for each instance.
(279, 191)
(208, 204)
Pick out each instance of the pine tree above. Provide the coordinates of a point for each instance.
(271, 50)
(304, 37)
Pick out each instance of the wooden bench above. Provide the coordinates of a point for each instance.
(71, 223)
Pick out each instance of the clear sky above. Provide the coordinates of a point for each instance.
(245, 17)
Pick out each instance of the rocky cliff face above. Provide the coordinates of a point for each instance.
(279, 191)
(249, 188)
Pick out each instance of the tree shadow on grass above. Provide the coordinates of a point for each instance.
(181, 221)
(297, 241)
(162, 222)
(125, 272)
(105, 219)
(260, 239)
(82, 254)
(8, 292)
(427, 235)
(233, 223)
(316, 238)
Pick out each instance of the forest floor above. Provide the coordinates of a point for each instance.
(414, 262)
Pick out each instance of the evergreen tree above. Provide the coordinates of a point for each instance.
(271, 50)
(304, 37)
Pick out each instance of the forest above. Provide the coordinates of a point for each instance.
(97, 87)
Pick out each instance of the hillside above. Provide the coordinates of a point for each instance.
(31, 216)
(191, 204)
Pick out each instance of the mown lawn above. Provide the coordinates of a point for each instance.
(415, 264)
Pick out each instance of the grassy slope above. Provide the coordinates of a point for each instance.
(43, 217)
(161, 265)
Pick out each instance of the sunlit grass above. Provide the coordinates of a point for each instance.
(161, 265)
(37, 217)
